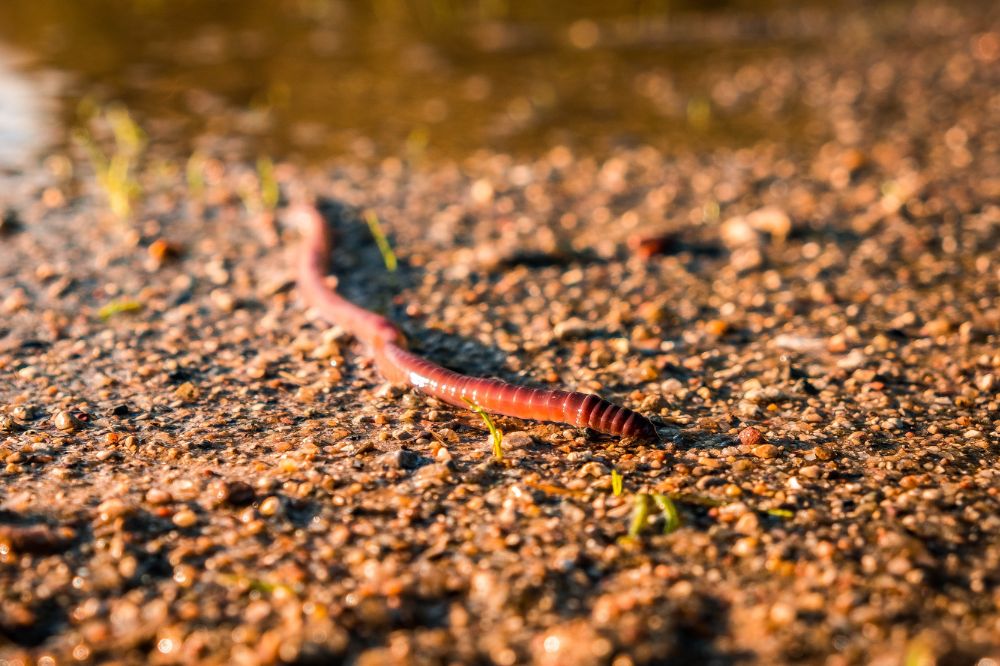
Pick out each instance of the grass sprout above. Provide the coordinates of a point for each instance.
(259, 192)
(495, 434)
(269, 191)
(118, 307)
(640, 515)
(616, 483)
(194, 173)
(671, 518)
(388, 256)
(115, 171)
(259, 585)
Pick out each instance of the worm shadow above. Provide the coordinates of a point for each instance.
(362, 279)
(355, 261)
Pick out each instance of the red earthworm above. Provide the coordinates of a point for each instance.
(401, 366)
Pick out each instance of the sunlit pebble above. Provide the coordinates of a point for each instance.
(157, 496)
(65, 421)
(22, 412)
(234, 493)
(305, 394)
(270, 506)
(185, 518)
(731, 512)
(482, 192)
(745, 546)
(162, 250)
(111, 509)
(187, 392)
(327, 349)
(986, 382)
(766, 451)
(771, 220)
(782, 613)
(716, 327)
(937, 327)
(504, 657)
(16, 300)
(750, 436)
(810, 471)
(223, 299)
(732, 490)
(184, 575)
(53, 197)
(737, 232)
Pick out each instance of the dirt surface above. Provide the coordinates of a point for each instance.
(204, 474)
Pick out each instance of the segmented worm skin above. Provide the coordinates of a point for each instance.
(401, 366)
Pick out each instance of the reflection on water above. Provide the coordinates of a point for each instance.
(321, 77)
(22, 114)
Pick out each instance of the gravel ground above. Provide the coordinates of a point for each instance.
(207, 475)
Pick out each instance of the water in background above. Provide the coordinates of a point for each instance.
(24, 121)
(314, 78)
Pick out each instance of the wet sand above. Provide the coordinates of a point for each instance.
(203, 473)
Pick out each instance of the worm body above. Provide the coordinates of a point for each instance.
(401, 366)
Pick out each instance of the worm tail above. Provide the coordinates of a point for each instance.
(499, 397)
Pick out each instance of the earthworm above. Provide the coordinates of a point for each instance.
(400, 366)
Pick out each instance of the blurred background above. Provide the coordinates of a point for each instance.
(311, 79)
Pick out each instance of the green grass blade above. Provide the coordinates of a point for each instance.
(640, 515)
(781, 513)
(129, 137)
(269, 191)
(616, 483)
(495, 433)
(194, 172)
(118, 307)
(388, 256)
(671, 518)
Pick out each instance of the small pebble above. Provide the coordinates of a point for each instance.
(766, 451)
(810, 471)
(158, 496)
(184, 518)
(270, 506)
(233, 493)
(750, 436)
(65, 421)
(986, 382)
(570, 328)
